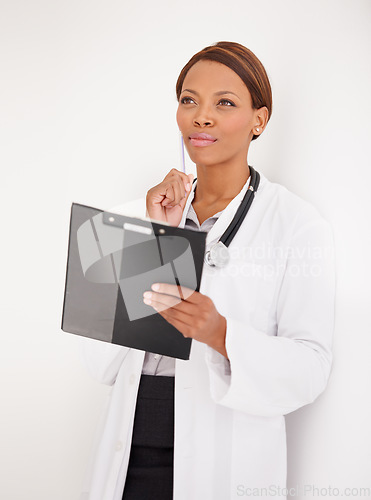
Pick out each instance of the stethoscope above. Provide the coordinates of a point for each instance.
(218, 255)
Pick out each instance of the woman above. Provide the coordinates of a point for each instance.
(261, 325)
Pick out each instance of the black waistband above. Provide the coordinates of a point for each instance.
(156, 387)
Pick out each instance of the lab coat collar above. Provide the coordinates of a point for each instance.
(227, 215)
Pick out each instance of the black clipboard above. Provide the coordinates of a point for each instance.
(112, 259)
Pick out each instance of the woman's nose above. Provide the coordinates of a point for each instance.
(203, 117)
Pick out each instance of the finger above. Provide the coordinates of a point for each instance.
(163, 302)
(176, 195)
(185, 179)
(189, 181)
(187, 293)
(181, 191)
(159, 306)
(169, 195)
(179, 173)
(178, 192)
(187, 188)
(160, 299)
(185, 185)
(175, 317)
(183, 201)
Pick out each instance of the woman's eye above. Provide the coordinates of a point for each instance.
(226, 102)
(186, 100)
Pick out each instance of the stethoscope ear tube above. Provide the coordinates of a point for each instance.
(234, 226)
(218, 255)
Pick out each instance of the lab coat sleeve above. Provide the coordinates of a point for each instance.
(274, 375)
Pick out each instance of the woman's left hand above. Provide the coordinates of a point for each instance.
(190, 312)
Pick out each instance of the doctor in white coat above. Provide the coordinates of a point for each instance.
(261, 326)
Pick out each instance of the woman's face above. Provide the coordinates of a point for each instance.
(215, 101)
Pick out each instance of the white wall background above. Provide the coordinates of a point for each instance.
(87, 114)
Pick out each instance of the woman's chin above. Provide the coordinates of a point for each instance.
(203, 159)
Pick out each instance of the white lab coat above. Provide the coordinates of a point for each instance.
(277, 294)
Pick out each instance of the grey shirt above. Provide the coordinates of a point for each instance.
(155, 364)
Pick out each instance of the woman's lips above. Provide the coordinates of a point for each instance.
(201, 140)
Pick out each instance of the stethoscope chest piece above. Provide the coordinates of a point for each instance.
(217, 256)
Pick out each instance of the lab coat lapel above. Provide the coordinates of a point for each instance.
(225, 218)
(186, 208)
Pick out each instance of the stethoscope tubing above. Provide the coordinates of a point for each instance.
(244, 207)
(228, 235)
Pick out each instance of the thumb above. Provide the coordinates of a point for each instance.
(183, 201)
(191, 177)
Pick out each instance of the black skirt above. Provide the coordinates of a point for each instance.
(150, 471)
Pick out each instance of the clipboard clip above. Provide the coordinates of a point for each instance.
(141, 226)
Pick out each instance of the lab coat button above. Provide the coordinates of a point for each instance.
(119, 446)
(132, 379)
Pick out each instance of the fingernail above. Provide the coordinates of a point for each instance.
(155, 286)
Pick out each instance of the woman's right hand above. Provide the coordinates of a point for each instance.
(166, 201)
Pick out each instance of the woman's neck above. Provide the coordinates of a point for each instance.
(214, 185)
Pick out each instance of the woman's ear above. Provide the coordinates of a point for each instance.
(261, 119)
